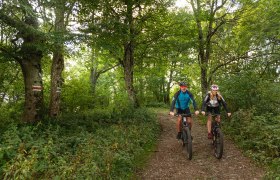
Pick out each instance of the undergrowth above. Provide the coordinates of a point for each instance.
(98, 144)
(259, 136)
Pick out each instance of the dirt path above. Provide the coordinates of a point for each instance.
(169, 160)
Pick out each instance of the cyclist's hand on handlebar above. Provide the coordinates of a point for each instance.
(171, 113)
(196, 113)
(203, 113)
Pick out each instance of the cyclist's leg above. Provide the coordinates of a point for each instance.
(179, 120)
(209, 122)
(209, 119)
(179, 123)
(189, 117)
(218, 117)
(190, 121)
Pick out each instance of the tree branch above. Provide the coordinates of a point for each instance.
(19, 25)
(10, 53)
(107, 69)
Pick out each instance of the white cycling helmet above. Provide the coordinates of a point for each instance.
(214, 87)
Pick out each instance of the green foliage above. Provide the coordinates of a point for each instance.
(76, 95)
(157, 105)
(253, 97)
(258, 134)
(104, 142)
(88, 145)
(246, 90)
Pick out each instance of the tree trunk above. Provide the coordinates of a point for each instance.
(203, 76)
(203, 59)
(30, 64)
(58, 62)
(204, 39)
(56, 83)
(29, 58)
(32, 73)
(128, 61)
(170, 79)
(128, 64)
(94, 75)
(203, 46)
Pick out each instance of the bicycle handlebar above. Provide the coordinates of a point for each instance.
(184, 114)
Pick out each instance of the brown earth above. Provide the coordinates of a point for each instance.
(169, 161)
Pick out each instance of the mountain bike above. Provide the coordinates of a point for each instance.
(186, 135)
(218, 137)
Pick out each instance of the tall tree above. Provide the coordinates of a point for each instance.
(62, 11)
(119, 24)
(26, 51)
(210, 16)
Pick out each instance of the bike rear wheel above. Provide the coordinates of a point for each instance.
(187, 142)
(219, 143)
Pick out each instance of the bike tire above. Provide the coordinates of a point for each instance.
(219, 144)
(187, 142)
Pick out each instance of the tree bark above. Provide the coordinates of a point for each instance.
(58, 61)
(32, 73)
(56, 83)
(170, 79)
(128, 61)
(32, 70)
(128, 64)
(94, 75)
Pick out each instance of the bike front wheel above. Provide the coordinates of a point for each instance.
(218, 143)
(187, 142)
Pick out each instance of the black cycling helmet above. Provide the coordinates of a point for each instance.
(182, 83)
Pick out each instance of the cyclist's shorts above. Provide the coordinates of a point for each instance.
(213, 110)
(184, 111)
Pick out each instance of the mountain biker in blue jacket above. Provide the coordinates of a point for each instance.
(181, 101)
(211, 104)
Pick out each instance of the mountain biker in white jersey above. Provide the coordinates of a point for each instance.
(211, 105)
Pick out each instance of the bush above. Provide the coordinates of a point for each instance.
(157, 105)
(258, 134)
(78, 146)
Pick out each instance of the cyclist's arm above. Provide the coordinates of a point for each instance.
(174, 99)
(224, 104)
(193, 101)
(206, 98)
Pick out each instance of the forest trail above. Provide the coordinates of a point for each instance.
(169, 160)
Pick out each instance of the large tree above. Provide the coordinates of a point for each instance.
(210, 17)
(62, 10)
(26, 49)
(118, 26)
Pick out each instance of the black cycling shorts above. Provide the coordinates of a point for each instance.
(213, 110)
(184, 111)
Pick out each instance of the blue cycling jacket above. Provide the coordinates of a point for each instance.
(182, 100)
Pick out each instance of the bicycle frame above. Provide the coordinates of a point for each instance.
(184, 121)
(214, 126)
(186, 135)
(218, 138)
